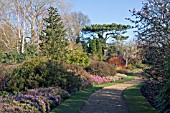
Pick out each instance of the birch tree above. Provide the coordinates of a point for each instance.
(26, 17)
(7, 38)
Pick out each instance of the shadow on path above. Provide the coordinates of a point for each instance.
(109, 99)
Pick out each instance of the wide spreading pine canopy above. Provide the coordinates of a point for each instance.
(110, 30)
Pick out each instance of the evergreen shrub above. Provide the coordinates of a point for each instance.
(101, 69)
(86, 80)
(163, 98)
(42, 72)
(77, 57)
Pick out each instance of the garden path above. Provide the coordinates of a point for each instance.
(109, 99)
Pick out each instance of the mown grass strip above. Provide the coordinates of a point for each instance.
(76, 102)
(136, 101)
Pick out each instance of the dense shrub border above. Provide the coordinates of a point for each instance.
(136, 101)
(101, 69)
(42, 72)
(76, 102)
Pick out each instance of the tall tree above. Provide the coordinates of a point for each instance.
(105, 31)
(26, 17)
(74, 23)
(153, 29)
(92, 46)
(129, 52)
(53, 43)
(99, 48)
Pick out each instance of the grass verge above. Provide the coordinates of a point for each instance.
(76, 102)
(136, 101)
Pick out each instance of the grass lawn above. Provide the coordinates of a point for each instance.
(76, 102)
(136, 102)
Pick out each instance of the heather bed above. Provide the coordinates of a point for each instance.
(45, 99)
(39, 85)
(40, 100)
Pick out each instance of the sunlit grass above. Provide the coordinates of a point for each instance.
(136, 101)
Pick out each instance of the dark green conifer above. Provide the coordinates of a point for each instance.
(53, 43)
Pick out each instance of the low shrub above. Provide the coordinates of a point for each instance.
(118, 76)
(34, 100)
(101, 69)
(13, 57)
(163, 99)
(86, 80)
(24, 77)
(11, 106)
(4, 74)
(150, 90)
(122, 76)
(78, 70)
(154, 74)
(77, 57)
(99, 80)
(116, 60)
(37, 73)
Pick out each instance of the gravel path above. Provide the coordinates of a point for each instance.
(109, 99)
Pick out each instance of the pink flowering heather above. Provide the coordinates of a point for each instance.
(12, 106)
(39, 100)
(99, 80)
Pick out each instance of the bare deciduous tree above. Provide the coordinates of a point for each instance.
(130, 52)
(26, 17)
(74, 23)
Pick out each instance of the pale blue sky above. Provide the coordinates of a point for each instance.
(107, 11)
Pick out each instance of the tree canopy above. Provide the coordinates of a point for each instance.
(153, 29)
(106, 31)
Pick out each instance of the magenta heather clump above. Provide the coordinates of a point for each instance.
(34, 100)
(37, 101)
(9, 106)
(99, 80)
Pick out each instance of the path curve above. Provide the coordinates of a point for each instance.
(109, 99)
